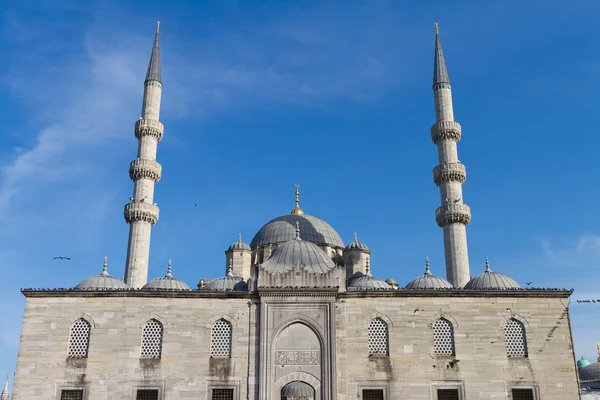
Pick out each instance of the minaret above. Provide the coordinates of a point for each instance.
(4, 394)
(142, 212)
(453, 216)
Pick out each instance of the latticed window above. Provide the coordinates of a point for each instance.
(220, 340)
(71, 394)
(516, 343)
(79, 339)
(522, 394)
(222, 394)
(372, 394)
(447, 394)
(147, 394)
(378, 337)
(443, 337)
(152, 339)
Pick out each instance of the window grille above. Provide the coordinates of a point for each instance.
(443, 337)
(447, 394)
(378, 337)
(222, 394)
(79, 339)
(372, 394)
(152, 339)
(147, 394)
(522, 394)
(516, 344)
(220, 340)
(71, 394)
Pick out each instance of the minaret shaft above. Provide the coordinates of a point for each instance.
(453, 215)
(142, 213)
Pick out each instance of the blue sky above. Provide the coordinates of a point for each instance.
(333, 95)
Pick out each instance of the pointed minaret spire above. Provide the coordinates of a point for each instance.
(453, 216)
(144, 171)
(297, 209)
(4, 394)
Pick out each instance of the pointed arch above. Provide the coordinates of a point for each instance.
(443, 337)
(152, 339)
(516, 338)
(79, 338)
(378, 337)
(221, 339)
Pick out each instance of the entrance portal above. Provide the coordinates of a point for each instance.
(297, 390)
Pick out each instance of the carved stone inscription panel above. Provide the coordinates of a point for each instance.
(296, 357)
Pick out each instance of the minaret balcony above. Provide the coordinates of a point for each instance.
(140, 211)
(445, 130)
(148, 169)
(453, 214)
(149, 127)
(450, 172)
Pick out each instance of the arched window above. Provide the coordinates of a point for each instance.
(152, 337)
(516, 341)
(220, 339)
(79, 339)
(378, 338)
(443, 337)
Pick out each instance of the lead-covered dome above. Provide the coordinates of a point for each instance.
(356, 245)
(102, 282)
(368, 282)
(298, 253)
(227, 283)
(590, 372)
(491, 280)
(167, 282)
(239, 245)
(283, 229)
(428, 280)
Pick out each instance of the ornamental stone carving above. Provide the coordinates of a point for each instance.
(149, 127)
(449, 130)
(447, 172)
(453, 214)
(148, 169)
(138, 211)
(296, 357)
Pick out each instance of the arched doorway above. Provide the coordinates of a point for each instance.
(297, 390)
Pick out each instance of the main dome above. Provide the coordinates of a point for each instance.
(283, 229)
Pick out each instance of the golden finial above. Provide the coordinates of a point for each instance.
(157, 26)
(437, 28)
(297, 209)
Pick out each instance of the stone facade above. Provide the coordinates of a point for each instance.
(282, 336)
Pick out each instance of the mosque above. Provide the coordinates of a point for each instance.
(298, 313)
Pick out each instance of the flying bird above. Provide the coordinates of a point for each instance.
(61, 258)
(528, 283)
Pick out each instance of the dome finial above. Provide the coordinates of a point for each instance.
(298, 230)
(355, 238)
(230, 268)
(169, 270)
(297, 209)
(157, 26)
(427, 269)
(240, 237)
(487, 265)
(367, 267)
(437, 28)
(105, 266)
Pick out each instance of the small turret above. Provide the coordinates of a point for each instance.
(239, 256)
(356, 256)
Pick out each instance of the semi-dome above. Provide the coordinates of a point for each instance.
(298, 253)
(297, 390)
(368, 282)
(283, 229)
(582, 363)
(590, 372)
(239, 245)
(102, 282)
(227, 283)
(491, 280)
(428, 280)
(356, 245)
(167, 282)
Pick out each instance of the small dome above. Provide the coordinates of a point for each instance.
(491, 280)
(356, 245)
(428, 281)
(590, 372)
(283, 229)
(239, 245)
(582, 363)
(102, 282)
(227, 283)
(298, 253)
(368, 282)
(297, 390)
(167, 282)
(391, 281)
